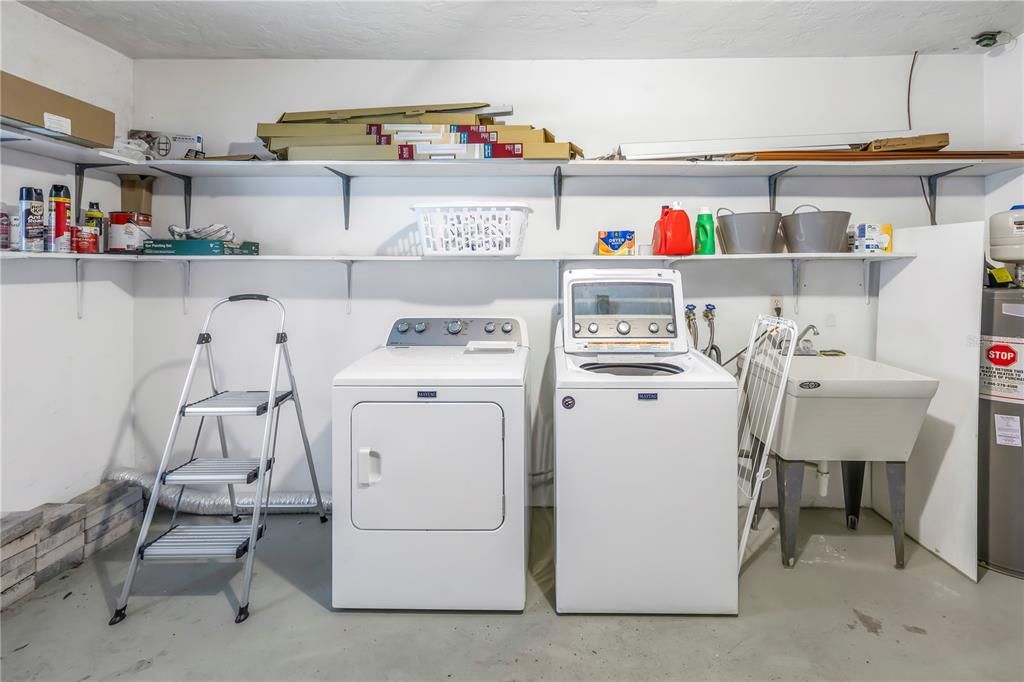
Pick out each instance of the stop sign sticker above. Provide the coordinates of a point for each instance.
(1001, 355)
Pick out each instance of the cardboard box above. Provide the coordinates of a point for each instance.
(380, 152)
(377, 112)
(198, 247)
(278, 144)
(169, 146)
(265, 131)
(556, 151)
(137, 193)
(24, 104)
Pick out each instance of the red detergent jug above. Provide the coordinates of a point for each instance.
(672, 234)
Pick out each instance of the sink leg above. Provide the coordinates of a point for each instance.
(789, 477)
(853, 489)
(896, 475)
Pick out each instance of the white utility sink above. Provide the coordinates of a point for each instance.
(850, 409)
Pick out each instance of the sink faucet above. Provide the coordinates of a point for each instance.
(802, 346)
(809, 328)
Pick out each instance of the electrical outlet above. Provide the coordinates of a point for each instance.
(776, 305)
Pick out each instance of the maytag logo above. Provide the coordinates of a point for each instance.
(646, 396)
(809, 384)
(426, 394)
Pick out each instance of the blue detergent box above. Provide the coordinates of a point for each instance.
(616, 243)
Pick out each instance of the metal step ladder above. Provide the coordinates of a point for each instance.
(187, 542)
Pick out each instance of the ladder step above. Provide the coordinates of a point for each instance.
(199, 542)
(216, 471)
(233, 404)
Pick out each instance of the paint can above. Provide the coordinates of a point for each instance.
(127, 231)
(86, 238)
(58, 227)
(5, 231)
(32, 233)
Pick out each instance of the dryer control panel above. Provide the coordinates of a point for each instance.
(454, 331)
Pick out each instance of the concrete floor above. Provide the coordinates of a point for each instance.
(842, 613)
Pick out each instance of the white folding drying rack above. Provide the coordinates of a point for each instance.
(761, 388)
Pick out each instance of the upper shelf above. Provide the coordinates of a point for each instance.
(42, 145)
(776, 257)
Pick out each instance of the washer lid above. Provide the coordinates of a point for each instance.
(642, 372)
(460, 366)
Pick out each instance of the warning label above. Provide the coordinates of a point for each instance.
(1001, 369)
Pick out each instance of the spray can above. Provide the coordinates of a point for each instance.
(5, 231)
(58, 228)
(94, 218)
(32, 233)
(705, 232)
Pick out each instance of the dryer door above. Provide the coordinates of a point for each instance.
(427, 466)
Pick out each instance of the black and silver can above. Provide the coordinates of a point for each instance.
(31, 234)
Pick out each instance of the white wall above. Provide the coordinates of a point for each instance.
(66, 385)
(1004, 120)
(597, 104)
(44, 51)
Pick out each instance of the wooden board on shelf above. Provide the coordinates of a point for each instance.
(857, 156)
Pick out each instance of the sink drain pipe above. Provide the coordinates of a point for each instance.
(218, 503)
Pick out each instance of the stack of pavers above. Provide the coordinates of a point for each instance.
(112, 510)
(18, 539)
(42, 543)
(61, 539)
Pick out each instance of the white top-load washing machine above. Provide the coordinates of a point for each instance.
(430, 457)
(645, 453)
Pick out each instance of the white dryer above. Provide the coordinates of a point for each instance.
(430, 469)
(645, 453)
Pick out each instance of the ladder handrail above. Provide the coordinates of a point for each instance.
(262, 298)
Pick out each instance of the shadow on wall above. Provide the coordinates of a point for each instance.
(405, 242)
(542, 448)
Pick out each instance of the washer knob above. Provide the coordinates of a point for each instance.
(592, 327)
(507, 328)
(653, 327)
(623, 327)
(670, 327)
(489, 327)
(454, 327)
(576, 328)
(402, 327)
(420, 327)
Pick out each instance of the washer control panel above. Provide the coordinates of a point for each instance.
(624, 326)
(453, 331)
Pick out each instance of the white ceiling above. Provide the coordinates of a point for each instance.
(545, 29)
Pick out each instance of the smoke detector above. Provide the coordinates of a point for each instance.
(988, 39)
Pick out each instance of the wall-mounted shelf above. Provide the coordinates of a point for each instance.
(796, 260)
(105, 161)
(563, 258)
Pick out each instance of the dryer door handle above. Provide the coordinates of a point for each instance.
(368, 466)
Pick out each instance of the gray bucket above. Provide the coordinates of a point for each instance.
(817, 232)
(755, 232)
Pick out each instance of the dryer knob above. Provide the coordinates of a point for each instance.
(576, 328)
(507, 328)
(670, 327)
(454, 327)
(623, 327)
(653, 327)
(420, 327)
(592, 327)
(402, 327)
(489, 327)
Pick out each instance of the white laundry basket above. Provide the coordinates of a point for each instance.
(478, 229)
